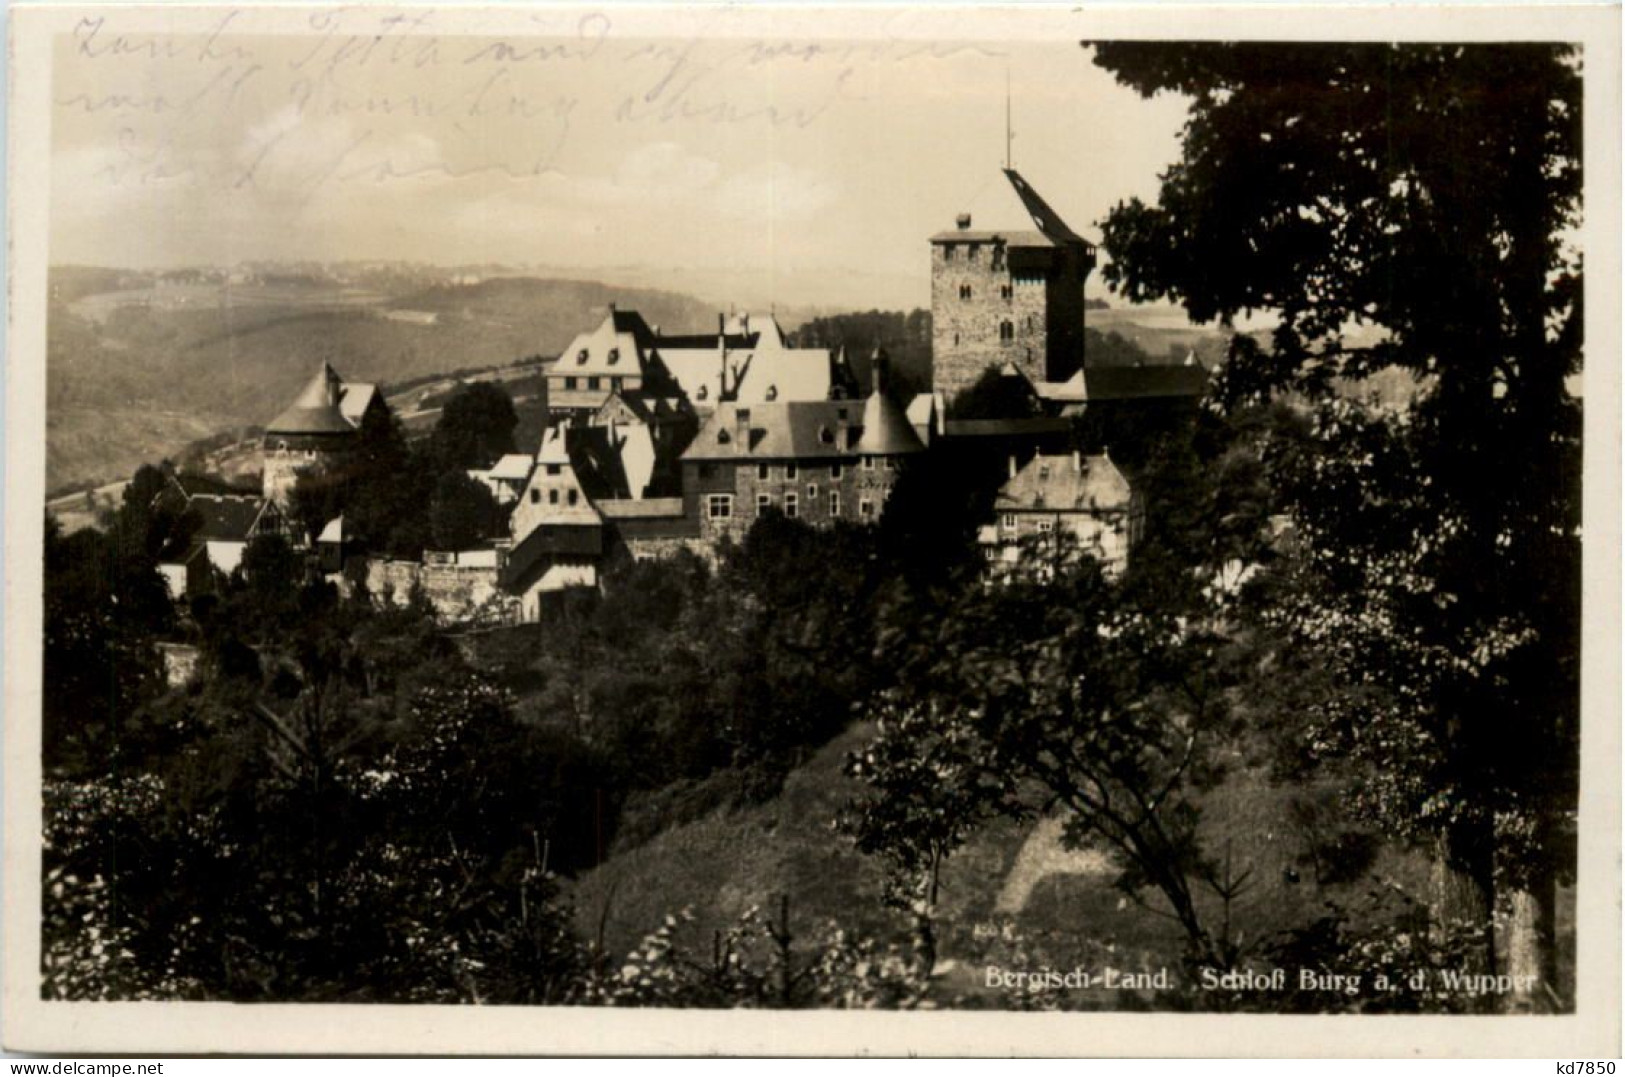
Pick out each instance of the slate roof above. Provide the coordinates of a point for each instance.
(354, 399)
(806, 430)
(886, 429)
(795, 430)
(618, 346)
(316, 409)
(1048, 229)
(1065, 483)
(750, 375)
(1126, 383)
(225, 518)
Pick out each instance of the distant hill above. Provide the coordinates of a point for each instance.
(138, 368)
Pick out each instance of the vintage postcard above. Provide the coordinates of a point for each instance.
(841, 530)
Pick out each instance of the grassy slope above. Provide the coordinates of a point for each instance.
(732, 859)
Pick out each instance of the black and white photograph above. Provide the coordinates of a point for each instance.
(720, 510)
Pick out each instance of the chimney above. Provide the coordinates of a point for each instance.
(612, 306)
(722, 323)
(742, 428)
(964, 222)
(1013, 468)
(1077, 461)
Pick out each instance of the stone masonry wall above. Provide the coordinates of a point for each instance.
(458, 593)
(965, 336)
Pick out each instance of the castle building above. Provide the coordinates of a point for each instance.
(318, 428)
(816, 460)
(1082, 501)
(1008, 296)
(748, 359)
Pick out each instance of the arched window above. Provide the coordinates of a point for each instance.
(1007, 330)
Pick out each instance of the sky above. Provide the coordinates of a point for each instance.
(816, 162)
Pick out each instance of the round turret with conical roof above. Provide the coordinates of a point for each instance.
(307, 435)
(886, 429)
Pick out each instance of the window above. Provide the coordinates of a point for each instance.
(772, 393)
(835, 502)
(719, 506)
(1007, 330)
(956, 340)
(615, 383)
(614, 356)
(764, 472)
(964, 291)
(535, 497)
(866, 508)
(570, 381)
(581, 356)
(700, 394)
(947, 252)
(573, 496)
(555, 469)
(1006, 292)
(868, 463)
(835, 472)
(1009, 521)
(1046, 526)
(552, 497)
(973, 252)
(1043, 471)
(790, 472)
(998, 256)
(791, 506)
(812, 492)
(707, 470)
(763, 503)
(592, 383)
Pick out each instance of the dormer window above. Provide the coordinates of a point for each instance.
(772, 393)
(1043, 471)
(826, 435)
(700, 393)
(723, 437)
(614, 356)
(581, 356)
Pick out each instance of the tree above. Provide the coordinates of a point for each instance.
(475, 427)
(462, 513)
(1053, 687)
(1406, 208)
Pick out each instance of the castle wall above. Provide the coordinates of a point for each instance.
(812, 485)
(460, 594)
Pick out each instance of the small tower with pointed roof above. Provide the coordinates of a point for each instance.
(317, 428)
(1008, 294)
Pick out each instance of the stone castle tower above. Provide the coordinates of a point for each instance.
(316, 430)
(1008, 296)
